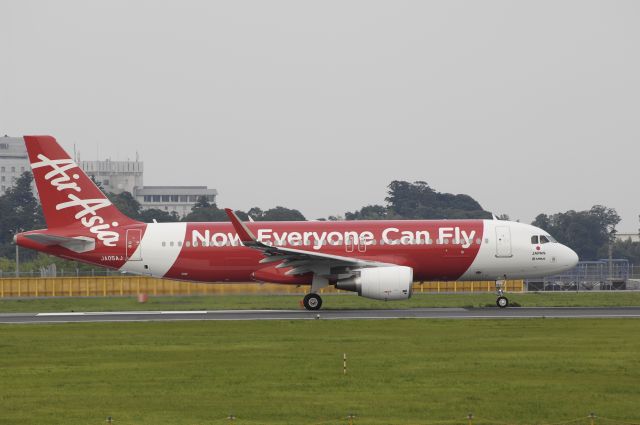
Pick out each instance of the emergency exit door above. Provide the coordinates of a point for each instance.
(503, 241)
(134, 236)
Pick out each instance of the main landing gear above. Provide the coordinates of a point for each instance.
(312, 302)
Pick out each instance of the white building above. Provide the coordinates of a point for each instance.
(173, 198)
(114, 176)
(635, 237)
(13, 161)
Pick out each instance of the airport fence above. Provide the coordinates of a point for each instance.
(586, 271)
(600, 275)
(587, 276)
(129, 285)
(51, 271)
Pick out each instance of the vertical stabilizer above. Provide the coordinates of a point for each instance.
(68, 196)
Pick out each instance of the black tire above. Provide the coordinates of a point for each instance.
(502, 302)
(312, 302)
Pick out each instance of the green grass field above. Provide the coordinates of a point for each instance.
(548, 299)
(532, 371)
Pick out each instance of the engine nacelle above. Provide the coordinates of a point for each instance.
(380, 283)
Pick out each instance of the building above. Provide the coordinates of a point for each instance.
(13, 161)
(179, 199)
(113, 176)
(635, 237)
(127, 176)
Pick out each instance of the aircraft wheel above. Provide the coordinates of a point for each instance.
(312, 302)
(502, 302)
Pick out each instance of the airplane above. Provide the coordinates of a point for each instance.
(376, 259)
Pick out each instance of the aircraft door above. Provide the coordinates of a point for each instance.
(349, 244)
(134, 236)
(362, 245)
(503, 242)
(352, 244)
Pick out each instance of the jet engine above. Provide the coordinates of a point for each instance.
(380, 283)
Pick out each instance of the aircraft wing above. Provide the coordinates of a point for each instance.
(301, 261)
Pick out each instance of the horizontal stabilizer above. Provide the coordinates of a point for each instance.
(75, 244)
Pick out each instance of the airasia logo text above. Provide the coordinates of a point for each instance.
(88, 213)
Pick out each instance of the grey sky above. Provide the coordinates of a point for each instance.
(528, 107)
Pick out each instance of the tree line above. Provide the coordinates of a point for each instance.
(588, 232)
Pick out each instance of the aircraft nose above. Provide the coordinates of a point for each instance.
(570, 257)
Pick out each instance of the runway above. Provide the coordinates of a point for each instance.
(415, 313)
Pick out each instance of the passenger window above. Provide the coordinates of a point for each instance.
(164, 244)
(543, 239)
(534, 240)
(187, 244)
(179, 243)
(171, 243)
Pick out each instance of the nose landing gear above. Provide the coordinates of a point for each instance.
(501, 301)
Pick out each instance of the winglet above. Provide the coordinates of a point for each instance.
(242, 230)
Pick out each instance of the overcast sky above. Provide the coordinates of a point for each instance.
(529, 107)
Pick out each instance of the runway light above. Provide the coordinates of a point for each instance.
(109, 420)
(231, 417)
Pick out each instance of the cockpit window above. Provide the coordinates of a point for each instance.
(551, 239)
(544, 239)
(534, 240)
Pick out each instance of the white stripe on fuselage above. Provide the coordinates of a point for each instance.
(158, 259)
(488, 266)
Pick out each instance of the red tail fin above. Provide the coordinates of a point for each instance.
(67, 195)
